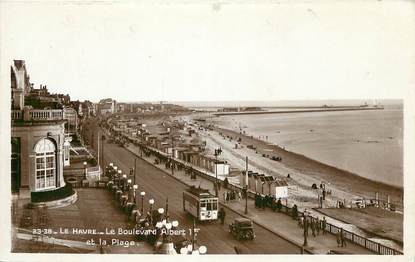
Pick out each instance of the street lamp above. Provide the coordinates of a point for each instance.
(142, 201)
(202, 250)
(129, 188)
(175, 223)
(124, 178)
(305, 229)
(85, 164)
(151, 202)
(135, 187)
(217, 152)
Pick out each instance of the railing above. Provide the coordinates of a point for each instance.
(16, 115)
(352, 237)
(38, 114)
(51, 114)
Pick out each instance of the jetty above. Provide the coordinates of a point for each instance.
(309, 110)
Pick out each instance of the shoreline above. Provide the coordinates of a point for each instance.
(339, 177)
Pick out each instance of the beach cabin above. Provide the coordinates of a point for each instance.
(279, 189)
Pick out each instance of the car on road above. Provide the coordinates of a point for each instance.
(358, 202)
(242, 228)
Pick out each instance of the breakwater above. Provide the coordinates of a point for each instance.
(322, 109)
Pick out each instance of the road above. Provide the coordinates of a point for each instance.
(159, 185)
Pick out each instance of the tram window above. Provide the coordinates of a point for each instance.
(209, 206)
(215, 205)
(202, 203)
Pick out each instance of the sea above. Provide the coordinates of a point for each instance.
(368, 143)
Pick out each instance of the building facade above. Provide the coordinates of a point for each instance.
(37, 142)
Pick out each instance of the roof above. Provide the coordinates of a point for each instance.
(279, 183)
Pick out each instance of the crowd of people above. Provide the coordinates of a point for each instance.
(268, 201)
(232, 195)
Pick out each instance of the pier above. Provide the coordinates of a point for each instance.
(321, 109)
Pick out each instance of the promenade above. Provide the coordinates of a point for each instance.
(94, 209)
(279, 223)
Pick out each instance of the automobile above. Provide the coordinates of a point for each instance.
(359, 202)
(276, 158)
(179, 242)
(242, 228)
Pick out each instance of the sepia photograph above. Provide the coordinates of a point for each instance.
(207, 128)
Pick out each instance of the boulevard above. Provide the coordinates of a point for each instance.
(160, 186)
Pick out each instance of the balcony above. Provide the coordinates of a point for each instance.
(37, 115)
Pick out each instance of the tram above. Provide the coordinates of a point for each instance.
(200, 204)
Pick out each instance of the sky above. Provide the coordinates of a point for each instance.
(214, 51)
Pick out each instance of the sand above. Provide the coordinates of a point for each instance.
(309, 170)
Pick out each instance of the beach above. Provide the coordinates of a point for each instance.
(303, 170)
(366, 143)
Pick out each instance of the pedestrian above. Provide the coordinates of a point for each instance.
(342, 238)
(301, 221)
(323, 225)
(279, 205)
(222, 215)
(338, 238)
(294, 212)
(313, 227)
(273, 205)
(239, 196)
(318, 224)
(224, 196)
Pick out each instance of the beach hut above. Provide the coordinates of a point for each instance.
(279, 189)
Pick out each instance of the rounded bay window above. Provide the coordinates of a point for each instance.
(45, 168)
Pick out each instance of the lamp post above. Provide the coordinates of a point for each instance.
(124, 178)
(217, 152)
(305, 229)
(129, 189)
(142, 201)
(135, 187)
(85, 165)
(172, 153)
(135, 168)
(151, 202)
(119, 177)
(246, 186)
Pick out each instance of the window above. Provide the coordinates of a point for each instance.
(209, 206)
(15, 164)
(45, 164)
(215, 205)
